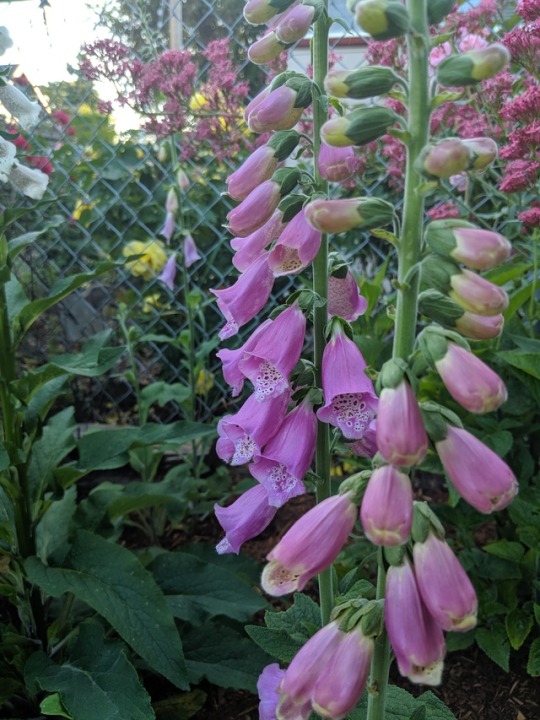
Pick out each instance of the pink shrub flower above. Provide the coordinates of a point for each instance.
(243, 300)
(344, 298)
(310, 545)
(296, 247)
(478, 474)
(387, 507)
(417, 640)
(401, 436)
(470, 381)
(286, 458)
(249, 248)
(231, 358)
(444, 585)
(349, 396)
(246, 518)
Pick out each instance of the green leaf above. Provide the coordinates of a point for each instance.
(17, 244)
(303, 611)
(112, 581)
(96, 682)
(436, 709)
(517, 300)
(518, 624)
(161, 393)
(277, 643)
(223, 655)
(494, 642)
(52, 531)
(197, 591)
(52, 705)
(506, 549)
(180, 707)
(401, 705)
(93, 360)
(526, 361)
(533, 663)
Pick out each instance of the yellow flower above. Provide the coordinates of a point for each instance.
(197, 101)
(80, 208)
(151, 302)
(151, 261)
(204, 382)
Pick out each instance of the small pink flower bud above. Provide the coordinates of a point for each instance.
(382, 19)
(258, 168)
(444, 159)
(266, 48)
(171, 203)
(336, 163)
(470, 381)
(478, 474)
(468, 68)
(480, 327)
(417, 640)
(310, 546)
(387, 507)
(297, 21)
(358, 127)
(444, 585)
(335, 216)
(401, 437)
(191, 252)
(258, 12)
(478, 249)
(275, 112)
(255, 210)
(483, 151)
(182, 179)
(476, 294)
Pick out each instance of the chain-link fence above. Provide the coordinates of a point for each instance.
(109, 186)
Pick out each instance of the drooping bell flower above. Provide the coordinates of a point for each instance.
(310, 545)
(8, 152)
(231, 358)
(335, 216)
(444, 159)
(446, 312)
(336, 163)
(258, 12)
(480, 327)
(265, 49)
(464, 242)
(444, 585)
(282, 107)
(478, 474)
(246, 518)
(366, 446)
(18, 105)
(401, 436)
(358, 127)
(296, 247)
(243, 434)
(344, 298)
(286, 458)
(469, 68)
(249, 248)
(382, 19)
(271, 360)
(364, 82)
(30, 182)
(387, 507)
(267, 689)
(257, 208)
(242, 301)
(415, 636)
(470, 381)
(349, 396)
(296, 22)
(261, 165)
(168, 273)
(191, 252)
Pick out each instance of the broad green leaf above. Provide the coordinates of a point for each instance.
(277, 643)
(112, 581)
(16, 299)
(518, 624)
(197, 591)
(52, 705)
(17, 244)
(31, 382)
(161, 393)
(93, 360)
(245, 567)
(436, 709)
(459, 641)
(304, 610)
(52, 531)
(223, 655)
(494, 643)
(506, 549)
(4, 457)
(96, 682)
(533, 663)
(517, 300)
(488, 566)
(180, 707)
(529, 362)
(401, 705)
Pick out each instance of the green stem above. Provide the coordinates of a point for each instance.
(380, 666)
(320, 286)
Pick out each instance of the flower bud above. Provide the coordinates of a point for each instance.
(266, 49)
(336, 163)
(483, 151)
(444, 585)
(281, 108)
(437, 10)
(363, 83)
(479, 327)
(182, 179)
(387, 507)
(448, 313)
(464, 242)
(478, 474)
(171, 203)
(258, 12)
(445, 158)
(297, 21)
(359, 127)
(335, 216)
(401, 437)
(470, 67)
(259, 167)
(382, 19)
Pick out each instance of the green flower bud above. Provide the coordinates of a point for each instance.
(382, 19)
(473, 66)
(363, 83)
(437, 10)
(444, 159)
(359, 127)
(335, 216)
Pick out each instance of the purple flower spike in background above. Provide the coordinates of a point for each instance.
(344, 299)
(287, 456)
(349, 396)
(242, 301)
(277, 350)
(246, 518)
(387, 507)
(444, 585)
(191, 253)
(168, 273)
(231, 358)
(417, 640)
(267, 689)
(401, 436)
(296, 247)
(310, 546)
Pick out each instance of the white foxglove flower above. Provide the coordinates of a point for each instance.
(29, 181)
(18, 105)
(5, 40)
(7, 158)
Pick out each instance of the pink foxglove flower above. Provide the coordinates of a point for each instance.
(294, 24)
(444, 585)
(344, 299)
(478, 474)
(231, 358)
(255, 209)
(349, 396)
(387, 507)
(275, 112)
(191, 252)
(265, 49)
(336, 163)
(474, 247)
(476, 294)
(401, 436)
(246, 518)
(296, 248)
(249, 248)
(270, 361)
(336, 216)
(367, 445)
(286, 458)
(470, 381)
(243, 300)
(168, 273)
(417, 640)
(310, 545)
(258, 168)
(267, 689)
(445, 158)
(243, 434)
(169, 227)
(480, 327)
